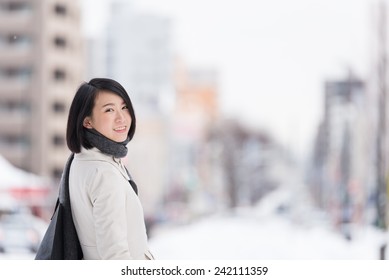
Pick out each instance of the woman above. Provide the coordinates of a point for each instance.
(106, 210)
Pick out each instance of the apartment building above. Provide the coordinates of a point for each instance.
(41, 66)
(344, 153)
(139, 56)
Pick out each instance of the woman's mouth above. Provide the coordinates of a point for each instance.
(120, 129)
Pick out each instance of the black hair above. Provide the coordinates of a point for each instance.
(82, 106)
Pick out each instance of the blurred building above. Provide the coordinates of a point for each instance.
(138, 54)
(41, 65)
(196, 105)
(216, 164)
(378, 83)
(192, 179)
(249, 162)
(342, 157)
(96, 64)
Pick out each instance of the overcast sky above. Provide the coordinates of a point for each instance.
(273, 56)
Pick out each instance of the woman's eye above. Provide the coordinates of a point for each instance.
(109, 110)
(125, 107)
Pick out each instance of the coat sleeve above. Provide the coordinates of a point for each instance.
(108, 195)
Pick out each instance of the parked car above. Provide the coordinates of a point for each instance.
(18, 231)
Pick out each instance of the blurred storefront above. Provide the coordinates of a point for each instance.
(20, 190)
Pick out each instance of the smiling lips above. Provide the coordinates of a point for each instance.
(120, 129)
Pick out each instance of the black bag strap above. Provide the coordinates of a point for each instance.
(55, 209)
(132, 183)
(64, 186)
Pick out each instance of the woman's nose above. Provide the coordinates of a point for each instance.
(119, 116)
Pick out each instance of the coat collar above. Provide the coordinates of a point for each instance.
(95, 154)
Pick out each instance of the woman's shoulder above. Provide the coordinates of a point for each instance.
(94, 161)
(92, 154)
(95, 155)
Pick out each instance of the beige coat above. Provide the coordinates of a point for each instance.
(107, 213)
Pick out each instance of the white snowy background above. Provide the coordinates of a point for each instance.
(281, 226)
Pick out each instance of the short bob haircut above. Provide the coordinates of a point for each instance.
(82, 106)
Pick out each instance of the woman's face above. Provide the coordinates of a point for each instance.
(110, 116)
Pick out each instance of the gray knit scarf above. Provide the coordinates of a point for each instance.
(110, 147)
(107, 146)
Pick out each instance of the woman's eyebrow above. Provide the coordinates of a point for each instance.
(108, 104)
(112, 104)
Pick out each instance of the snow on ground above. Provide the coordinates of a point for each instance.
(244, 238)
(17, 255)
(238, 237)
(247, 236)
(274, 229)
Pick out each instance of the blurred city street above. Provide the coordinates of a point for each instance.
(245, 236)
(283, 225)
(265, 232)
(261, 126)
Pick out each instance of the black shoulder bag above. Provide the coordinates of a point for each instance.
(60, 241)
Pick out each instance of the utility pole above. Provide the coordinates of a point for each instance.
(381, 199)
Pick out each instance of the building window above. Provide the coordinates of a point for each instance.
(21, 73)
(14, 40)
(14, 107)
(59, 75)
(15, 6)
(60, 42)
(60, 9)
(58, 140)
(58, 107)
(15, 140)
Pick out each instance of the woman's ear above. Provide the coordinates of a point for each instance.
(87, 123)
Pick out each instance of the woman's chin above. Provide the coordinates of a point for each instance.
(120, 139)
